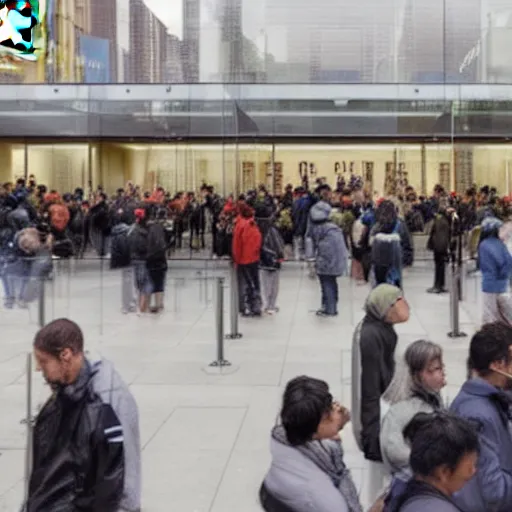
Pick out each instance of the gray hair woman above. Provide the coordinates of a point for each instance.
(415, 388)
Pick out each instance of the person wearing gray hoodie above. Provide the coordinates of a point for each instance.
(85, 445)
(331, 254)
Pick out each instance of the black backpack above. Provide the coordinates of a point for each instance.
(157, 244)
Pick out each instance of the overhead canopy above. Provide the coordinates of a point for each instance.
(259, 111)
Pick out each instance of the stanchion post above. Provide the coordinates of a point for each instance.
(42, 303)
(454, 303)
(101, 294)
(29, 425)
(234, 303)
(220, 362)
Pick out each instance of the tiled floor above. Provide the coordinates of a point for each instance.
(205, 434)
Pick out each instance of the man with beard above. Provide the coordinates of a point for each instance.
(86, 447)
(484, 399)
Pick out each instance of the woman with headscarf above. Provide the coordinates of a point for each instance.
(373, 366)
(496, 267)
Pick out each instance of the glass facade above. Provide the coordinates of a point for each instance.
(256, 111)
(267, 41)
(234, 168)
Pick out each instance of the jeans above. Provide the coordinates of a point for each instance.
(15, 279)
(250, 275)
(270, 281)
(329, 285)
(440, 266)
(128, 296)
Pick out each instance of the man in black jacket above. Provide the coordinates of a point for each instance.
(78, 442)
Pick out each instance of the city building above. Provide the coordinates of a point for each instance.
(191, 39)
(148, 44)
(261, 92)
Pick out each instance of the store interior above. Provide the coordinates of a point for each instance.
(185, 167)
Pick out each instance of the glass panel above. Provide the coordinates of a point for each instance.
(61, 167)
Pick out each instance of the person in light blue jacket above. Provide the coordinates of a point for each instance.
(496, 267)
(484, 401)
(328, 244)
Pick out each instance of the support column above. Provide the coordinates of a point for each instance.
(423, 170)
(6, 159)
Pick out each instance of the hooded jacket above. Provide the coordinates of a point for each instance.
(328, 242)
(246, 241)
(495, 265)
(489, 409)
(110, 387)
(373, 366)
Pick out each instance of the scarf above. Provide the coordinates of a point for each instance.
(329, 458)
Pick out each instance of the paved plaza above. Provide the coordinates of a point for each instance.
(205, 435)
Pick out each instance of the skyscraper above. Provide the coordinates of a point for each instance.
(436, 37)
(148, 40)
(103, 24)
(191, 39)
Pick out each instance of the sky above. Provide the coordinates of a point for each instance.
(169, 12)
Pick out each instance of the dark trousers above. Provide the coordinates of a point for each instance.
(250, 276)
(329, 285)
(440, 270)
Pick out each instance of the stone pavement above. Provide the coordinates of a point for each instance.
(205, 436)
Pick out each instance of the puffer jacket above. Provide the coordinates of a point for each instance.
(421, 497)
(495, 265)
(78, 452)
(489, 409)
(299, 484)
(120, 247)
(395, 450)
(247, 241)
(329, 246)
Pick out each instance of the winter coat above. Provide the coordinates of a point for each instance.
(299, 483)
(440, 235)
(489, 409)
(272, 250)
(495, 265)
(110, 387)
(328, 242)
(394, 449)
(422, 497)
(373, 366)
(139, 243)
(120, 247)
(300, 214)
(78, 452)
(246, 241)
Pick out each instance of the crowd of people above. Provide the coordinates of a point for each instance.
(338, 231)
(422, 454)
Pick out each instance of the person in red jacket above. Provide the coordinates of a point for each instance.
(246, 256)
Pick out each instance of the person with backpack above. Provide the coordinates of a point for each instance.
(138, 239)
(120, 259)
(156, 260)
(439, 242)
(272, 255)
(391, 245)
